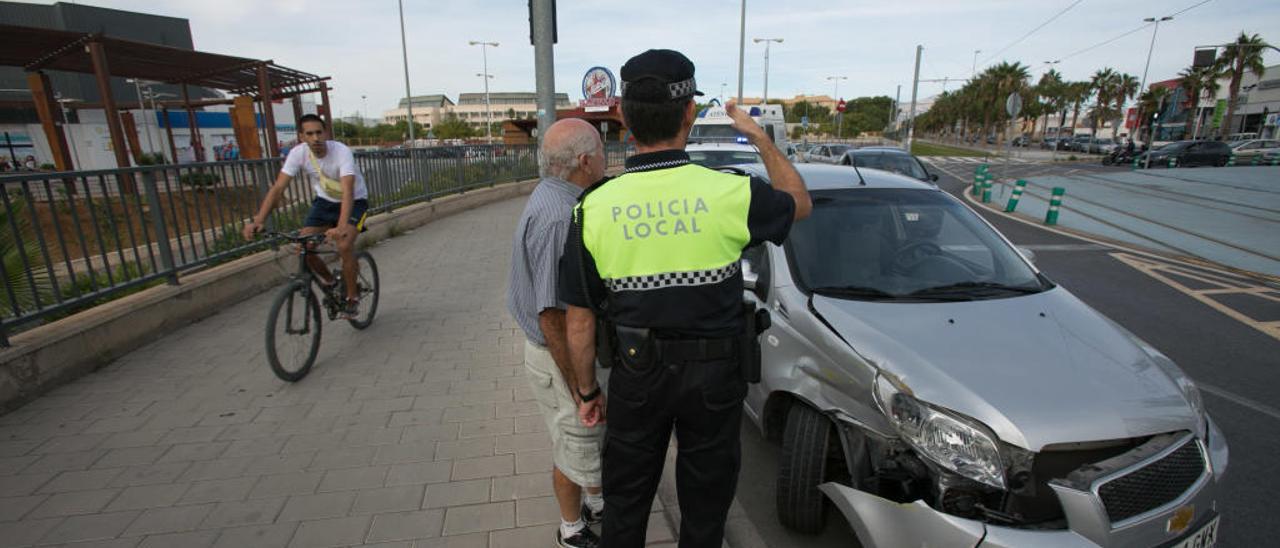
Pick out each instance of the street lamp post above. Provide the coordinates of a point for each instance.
(408, 96)
(973, 70)
(836, 100)
(66, 127)
(488, 114)
(137, 87)
(151, 95)
(365, 112)
(767, 42)
(742, 46)
(1151, 48)
(722, 86)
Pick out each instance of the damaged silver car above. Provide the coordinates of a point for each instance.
(925, 378)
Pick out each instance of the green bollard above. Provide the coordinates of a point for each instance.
(1254, 160)
(1135, 163)
(1055, 202)
(986, 190)
(1231, 162)
(1173, 162)
(1018, 187)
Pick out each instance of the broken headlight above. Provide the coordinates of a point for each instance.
(954, 442)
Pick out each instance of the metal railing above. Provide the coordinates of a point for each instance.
(72, 240)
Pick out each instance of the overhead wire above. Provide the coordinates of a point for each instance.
(1127, 33)
(1033, 31)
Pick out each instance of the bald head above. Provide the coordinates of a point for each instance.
(571, 150)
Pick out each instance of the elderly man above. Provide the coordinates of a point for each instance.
(571, 159)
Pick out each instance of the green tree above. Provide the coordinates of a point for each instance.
(1243, 55)
(1198, 81)
(452, 127)
(1050, 90)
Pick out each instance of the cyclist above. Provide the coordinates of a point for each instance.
(340, 205)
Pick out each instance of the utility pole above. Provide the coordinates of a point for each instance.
(1151, 48)
(893, 109)
(767, 42)
(973, 70)
(488, 114)
(835, 102)
(408, 96)
(742, 46)
(915, 87)
(544, 63)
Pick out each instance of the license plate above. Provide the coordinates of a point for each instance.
(1206, 537)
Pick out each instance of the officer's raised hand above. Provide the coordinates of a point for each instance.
(744, 124)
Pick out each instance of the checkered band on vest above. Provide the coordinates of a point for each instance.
(673, 279)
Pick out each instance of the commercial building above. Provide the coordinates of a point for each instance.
(518, 105)
(428, 110)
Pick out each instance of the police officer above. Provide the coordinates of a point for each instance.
(654, 254)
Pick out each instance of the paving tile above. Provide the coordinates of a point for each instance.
(354, 478)
(70, 504)
(529, 424)
(62, 462)
(192, 434)
(462, 449)
(70, 444)
(388, 499)
(533, 461)
(483, 467)
(254, 447)
(319, 506)
(519, 443)
(474, 540)
(238, 513)
(281, 485)
(521, 487)
(194, 451)
(130, 456)
(457, 493)
(218, 490)
(148, 474)
(13, 508)
(523, 537)
(81, 480)
(428, 433)
(169, 520)
(257, 430)
(468, 413)
(280, 464)
(331, 532)
(222, 468)
(90, 527)
(387, 405)
(257, 536)
(479, 429)
(527, 408)
(419, 472)
(126, 542)
(148, 496)
(116, 424)
(416, 417)
(406, 525)
(123, 440)
(27, 532)
(194, 539)
(363, 437)
(407, 452)
(347, 457)
(312, 442)
(537, 511)
(11, 465)
(481, 517)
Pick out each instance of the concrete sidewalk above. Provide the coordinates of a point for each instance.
(418, 432)
(1228, 215)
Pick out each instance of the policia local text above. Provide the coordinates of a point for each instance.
(664, 218)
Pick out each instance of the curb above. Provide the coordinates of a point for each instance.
(739, 532)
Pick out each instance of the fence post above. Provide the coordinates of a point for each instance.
(1018, 188)
(1055, 203)
(162, 232)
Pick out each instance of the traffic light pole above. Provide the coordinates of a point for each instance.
(915, 87)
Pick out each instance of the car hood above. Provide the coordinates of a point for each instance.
(1037, 369)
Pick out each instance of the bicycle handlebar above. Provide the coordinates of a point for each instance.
(297, 238)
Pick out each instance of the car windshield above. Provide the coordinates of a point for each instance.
(717, 158)
(720, 132)
(896, 163)
(903, 245)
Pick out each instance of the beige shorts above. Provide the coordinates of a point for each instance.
(575, 449)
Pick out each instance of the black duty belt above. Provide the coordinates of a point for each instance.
(687, 350)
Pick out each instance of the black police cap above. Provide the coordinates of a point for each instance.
(670, 69)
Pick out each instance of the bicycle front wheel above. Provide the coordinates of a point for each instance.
(293, 332)
(367, 286)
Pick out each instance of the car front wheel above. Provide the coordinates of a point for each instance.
(806, 444)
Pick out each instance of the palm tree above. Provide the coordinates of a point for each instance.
(1126, 88)
(1050, 88)
(1077, 94)
(1243, 55)
(1195, 80)
(1104, 83)
(1151, 101)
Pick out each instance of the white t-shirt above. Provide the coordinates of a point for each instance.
(337, 163)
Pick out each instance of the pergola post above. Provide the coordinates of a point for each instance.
(47, 110)
(268, 113)
(328, 112)
(102, 73)
(168, 131)
(193, 126)
(297, 111)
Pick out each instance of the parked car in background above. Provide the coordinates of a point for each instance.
(1102, 146)
(1055, 143)
(895, 391)
(893, 160)
(1190, 154)
(1237, 137)
(826, 153)
(1247, 150)
(1021, 141)
(1079, 143)
(802, 151)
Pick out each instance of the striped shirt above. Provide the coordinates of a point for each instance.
(535, 254)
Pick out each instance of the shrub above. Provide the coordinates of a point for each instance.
(200, 179)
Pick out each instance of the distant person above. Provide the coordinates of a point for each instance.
(5, 165)
(571, 159)
(339, 207)
(30, 164)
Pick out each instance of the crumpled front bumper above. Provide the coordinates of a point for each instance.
(883, 523)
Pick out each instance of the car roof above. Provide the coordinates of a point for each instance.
(826, 177)
(713, 145)
(864, 151)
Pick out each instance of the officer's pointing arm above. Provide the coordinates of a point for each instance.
(782, 174)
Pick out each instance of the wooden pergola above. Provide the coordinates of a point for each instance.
(37, 50)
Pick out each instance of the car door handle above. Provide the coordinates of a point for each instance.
(781, 309)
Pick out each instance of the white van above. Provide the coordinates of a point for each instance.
(713, 124)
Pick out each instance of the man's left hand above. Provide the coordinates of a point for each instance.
(591, 412)
(340, 232)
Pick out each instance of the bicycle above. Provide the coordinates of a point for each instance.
(296, 310)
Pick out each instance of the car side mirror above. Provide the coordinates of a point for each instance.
(1027, 253)
(749, 276)
(933, 177)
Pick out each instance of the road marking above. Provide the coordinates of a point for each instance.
(1240, 400)
(1223, 286)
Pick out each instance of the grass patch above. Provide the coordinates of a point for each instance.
(929, 149)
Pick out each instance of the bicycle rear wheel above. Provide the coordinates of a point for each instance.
(367, 286)
(293, 332)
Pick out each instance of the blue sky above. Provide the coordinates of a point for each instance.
(871, 42)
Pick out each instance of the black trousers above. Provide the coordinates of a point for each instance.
(703, 402)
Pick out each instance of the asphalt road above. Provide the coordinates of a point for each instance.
(1234, 363)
